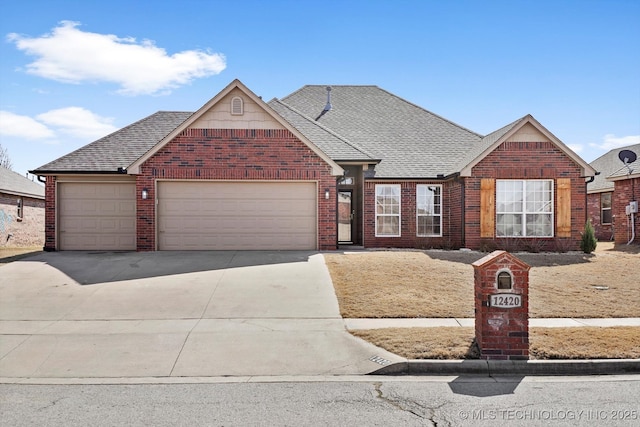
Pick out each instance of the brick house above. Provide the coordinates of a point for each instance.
(610, 192)
(319, 168)
(21, 210)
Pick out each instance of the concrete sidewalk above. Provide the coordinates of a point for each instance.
(353, 324)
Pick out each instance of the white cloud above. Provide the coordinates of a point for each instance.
(15, 125)
(610, 141)
(78, 122)
(70, 55)
(576, 148)
(73, 121)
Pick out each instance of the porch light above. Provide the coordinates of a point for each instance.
(326, 194)
(145, 194)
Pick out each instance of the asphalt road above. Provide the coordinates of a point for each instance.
(371, 401)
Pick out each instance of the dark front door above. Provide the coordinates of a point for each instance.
(345, 216)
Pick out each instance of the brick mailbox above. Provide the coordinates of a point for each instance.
(502, 306)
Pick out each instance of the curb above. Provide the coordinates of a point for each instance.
(512, 367)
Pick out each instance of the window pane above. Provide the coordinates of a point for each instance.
(509, 225)
(606, 216)
(539, 225)
(605, 200)
(388, 225)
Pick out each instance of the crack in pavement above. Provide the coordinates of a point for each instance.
(407, 406)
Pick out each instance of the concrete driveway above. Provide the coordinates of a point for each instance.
(175, 314)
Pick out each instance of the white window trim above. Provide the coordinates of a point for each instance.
(524, 212)
(425, 215)
(399, 214)
(610, 209)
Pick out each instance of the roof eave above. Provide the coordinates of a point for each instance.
(75, 172)
(22, 194)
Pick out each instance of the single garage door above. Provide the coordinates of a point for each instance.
(97, 216)
(236, 215)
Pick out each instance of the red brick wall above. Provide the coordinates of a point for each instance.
(624, 192)
(50, 214)
(236, 154)
(451, 217)
(525, 160)
(603, 231)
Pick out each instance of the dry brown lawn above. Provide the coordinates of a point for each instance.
(440, 284)
(545, 343)
(434, 283)
(8, 255)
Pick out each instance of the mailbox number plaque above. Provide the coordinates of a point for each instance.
(505, 300)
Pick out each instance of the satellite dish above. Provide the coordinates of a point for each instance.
(627, 156)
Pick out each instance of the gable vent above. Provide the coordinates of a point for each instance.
(237, 106)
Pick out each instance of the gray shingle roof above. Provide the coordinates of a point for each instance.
(14, 183)
(411, 141)
(609, 165)
(333, 145)
(486, 142)
(365, 124)
(119, 149)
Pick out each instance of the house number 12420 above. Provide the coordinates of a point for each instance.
(505, 300)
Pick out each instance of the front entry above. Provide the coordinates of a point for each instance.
(345, 216)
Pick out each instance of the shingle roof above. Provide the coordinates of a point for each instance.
(486, 142)
(365, 124)
(120, 148)
(14, 183)
(411, 141)
(333, 145)
(609, 165)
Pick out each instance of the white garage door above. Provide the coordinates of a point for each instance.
(97, 216)
(236, 215)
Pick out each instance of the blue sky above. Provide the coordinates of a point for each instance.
(73, 71)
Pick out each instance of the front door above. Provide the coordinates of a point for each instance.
(345, 216)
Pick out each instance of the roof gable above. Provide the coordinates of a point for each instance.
(523, 130)
(216, 114)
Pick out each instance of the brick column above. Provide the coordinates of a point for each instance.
(502, 306)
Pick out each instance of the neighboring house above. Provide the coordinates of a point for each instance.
(315, 170)
(21, 210)
(610, 192)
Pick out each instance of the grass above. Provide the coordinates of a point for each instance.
(544, 343)
(440, 283)
(407, 284)
(11, 254)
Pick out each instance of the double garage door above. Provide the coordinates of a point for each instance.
(191, 216)
(236, 215)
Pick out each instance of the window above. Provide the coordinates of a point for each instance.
(429, 210)
(605, 207)
(20, 207)
(524, 208)
(387, 210)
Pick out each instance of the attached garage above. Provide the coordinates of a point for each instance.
(96, 216)
(247, 215)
